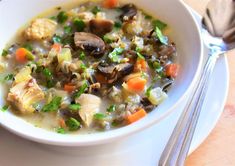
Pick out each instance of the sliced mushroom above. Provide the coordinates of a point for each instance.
(148, 106)
(112, 73)
(89, 42)
(167, 50)
(129, 11)
(101, 26)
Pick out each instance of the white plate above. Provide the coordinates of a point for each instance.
(140, 149)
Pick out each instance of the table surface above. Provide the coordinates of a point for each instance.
(218, 149)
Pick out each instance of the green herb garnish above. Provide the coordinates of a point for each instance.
(114, 55)
(115, 123)
(53, 105)
(79, 24)
(81, 90)
(99, 116)
(50, 83)
(74, 107)
(147, 93)
(144, 75)
(53, 18)
(140, 55)
(62, 17)
(163, 39)
(56, 39)
(4, 52)
(47, 73)
(107, 39)
(161, 25)
(95, 10)
(60, 130)
(118, 24)
(67, 29)
(4, 108)
(112, 108)
(28, 46)
(83, 66)
(9, 77)
(148, 17)
(82, 56)
(72, 124)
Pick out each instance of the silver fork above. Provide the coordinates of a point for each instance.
(180, 140)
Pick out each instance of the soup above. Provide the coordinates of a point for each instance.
(95, 67)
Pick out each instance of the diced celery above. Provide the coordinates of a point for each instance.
(23, 75)
(64, 55)
(157, 96)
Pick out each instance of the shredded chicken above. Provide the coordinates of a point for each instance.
(24, 94)
(90, 105)
(40, 29)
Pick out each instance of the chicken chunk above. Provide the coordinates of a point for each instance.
(90, 105)
(24, 94)
(40, 29)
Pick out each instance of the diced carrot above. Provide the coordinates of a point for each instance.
(57, 47)
(21, 55)
(140, 113)
(172, 70)
(69, 87)
(62, 123)
(136, 84)
(140, 65)
(110, 3)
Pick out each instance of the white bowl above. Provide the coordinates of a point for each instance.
(185, 34)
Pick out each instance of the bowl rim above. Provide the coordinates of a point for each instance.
(120, 132)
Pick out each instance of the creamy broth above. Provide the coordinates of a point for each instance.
(88, 67)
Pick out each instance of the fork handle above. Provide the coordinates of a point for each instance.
(180, 140)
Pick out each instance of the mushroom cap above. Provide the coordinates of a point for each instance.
(89, 42)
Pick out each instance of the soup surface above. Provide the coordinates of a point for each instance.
(95, 67)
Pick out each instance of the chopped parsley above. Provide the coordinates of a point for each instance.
(9, 77)
(60, 130)
(99, 116)
(157, 67)
(107, 39)
(53, 105)
(67, 29)
(62, 17)
(82, 56)
(140, 55)
(81, 90)
(74, 107)
(4, 52)
(4, 108)
(72, 124)
(112, 108)
(118, 24)
(163, 39)
(114, 55)
(161, 25)
(50, 83)
(28, 46)
(53, 18)
(95, 10)
(144, 75)
(47, 73)
(79, 24)
(147, 93)
(83, 66)
(148, 17)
